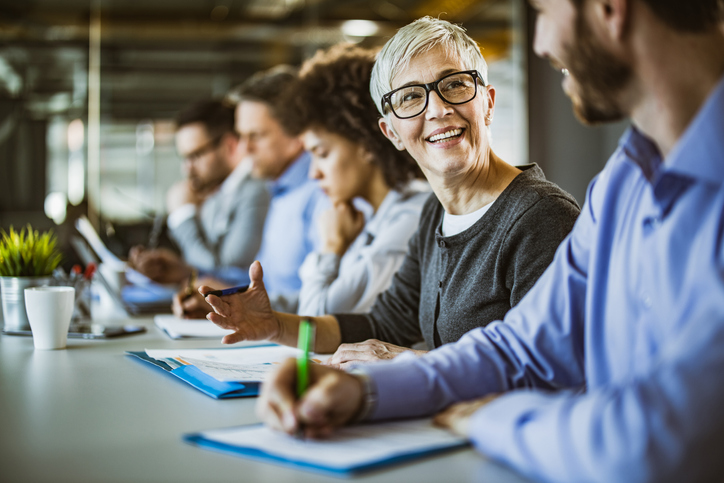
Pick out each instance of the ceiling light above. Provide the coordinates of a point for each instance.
(359, 28)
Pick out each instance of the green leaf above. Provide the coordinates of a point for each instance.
(28, 253)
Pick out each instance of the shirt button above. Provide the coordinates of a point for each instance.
(647, 302)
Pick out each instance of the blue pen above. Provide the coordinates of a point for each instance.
(228, 291)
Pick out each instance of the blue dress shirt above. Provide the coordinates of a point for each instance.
(615, 359)
(290, 230)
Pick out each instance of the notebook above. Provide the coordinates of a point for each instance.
(177, 328)
(349, 451)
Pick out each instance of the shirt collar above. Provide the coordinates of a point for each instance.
(697, 154)
(295, 175)
(642, 151)
(700, 151)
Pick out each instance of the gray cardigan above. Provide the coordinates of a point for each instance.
(447, 286)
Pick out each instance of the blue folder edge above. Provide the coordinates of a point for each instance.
(198, 439)
(193, 376)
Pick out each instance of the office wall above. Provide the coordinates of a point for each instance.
(569, 153)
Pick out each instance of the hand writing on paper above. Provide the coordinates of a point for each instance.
(371, 350)
(456, 418)
(159, 264)
(339, 226)
(248, 314)
(333, 399)
(190, 306)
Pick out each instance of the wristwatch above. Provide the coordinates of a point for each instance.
(369, 395)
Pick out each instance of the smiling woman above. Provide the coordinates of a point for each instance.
(485, 235)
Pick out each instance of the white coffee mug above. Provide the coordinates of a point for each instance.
(49, 311)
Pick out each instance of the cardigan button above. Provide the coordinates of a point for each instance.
(439, 284)
(442, 243)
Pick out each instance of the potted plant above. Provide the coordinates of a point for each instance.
(27, 259)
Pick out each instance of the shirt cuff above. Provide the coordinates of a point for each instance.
(402, 388)
(180, 214)
(369, 395)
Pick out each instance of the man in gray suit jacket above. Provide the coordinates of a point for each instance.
(217, 213)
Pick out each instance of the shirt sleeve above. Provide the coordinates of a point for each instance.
(241, 243)
(365, 271)
(539, 345)
(660, 425)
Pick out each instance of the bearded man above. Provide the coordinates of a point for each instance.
(609, 369)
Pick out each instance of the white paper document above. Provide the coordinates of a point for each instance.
(84, 227)
(177, 328)
(347, 449)
(243, 364)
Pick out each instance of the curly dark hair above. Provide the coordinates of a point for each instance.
(332, 93)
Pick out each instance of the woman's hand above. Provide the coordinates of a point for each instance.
(371, 350)
(339, 226)
(333, 399)
(456, 418)
(248, 314)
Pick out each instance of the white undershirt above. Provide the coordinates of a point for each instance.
(454, 224)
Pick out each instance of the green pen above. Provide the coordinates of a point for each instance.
(305, 345)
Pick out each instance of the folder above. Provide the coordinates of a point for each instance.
(349, 451)
(193, 376)
(224, 372)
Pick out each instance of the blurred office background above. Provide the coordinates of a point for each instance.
(89, 88)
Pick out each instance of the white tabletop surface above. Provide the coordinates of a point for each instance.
(92, 414)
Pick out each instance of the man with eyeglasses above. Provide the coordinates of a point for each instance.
(279, 158)
(217, 213)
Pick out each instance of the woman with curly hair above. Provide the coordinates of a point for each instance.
(332, 109)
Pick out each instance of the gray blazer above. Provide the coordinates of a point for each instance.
(227, 230)
(449, 285)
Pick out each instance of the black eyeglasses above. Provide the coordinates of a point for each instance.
(456, 88)
(203, 150)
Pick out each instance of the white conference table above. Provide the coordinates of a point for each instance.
(92, 414)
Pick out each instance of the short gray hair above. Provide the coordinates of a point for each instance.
(418, 37)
